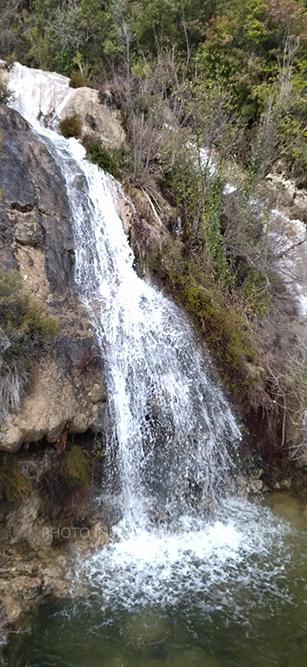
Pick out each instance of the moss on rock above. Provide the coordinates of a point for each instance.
(78, 465)
(13, 483)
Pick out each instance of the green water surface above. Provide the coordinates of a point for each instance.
(265, 631)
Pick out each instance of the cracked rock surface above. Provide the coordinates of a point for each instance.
(67, 392)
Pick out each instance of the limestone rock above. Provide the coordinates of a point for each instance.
(98, 120)
(255, 486)
(32, 567)
(66, 392)
(29, 232)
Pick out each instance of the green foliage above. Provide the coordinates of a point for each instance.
(200, 196)
(211, 234)
(223, 325)
(59, 32)
(247, 102)
(256, 292)
(236, 47)
(105, 159)
(243, 44)
(5, 93)
(116, 161)
(21, 319)
(186, 184)
(294, 147)
(71, 126)
(24, 331)
(77, 79)
(169, 22)
(78, 465)
(14, 485)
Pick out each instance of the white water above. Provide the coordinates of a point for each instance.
(172, 436)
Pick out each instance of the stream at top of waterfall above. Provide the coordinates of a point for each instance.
(195, 574)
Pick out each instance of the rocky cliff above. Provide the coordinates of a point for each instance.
(65, 392)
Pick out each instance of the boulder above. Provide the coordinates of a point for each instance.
(99, 121)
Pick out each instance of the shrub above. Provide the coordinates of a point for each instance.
(71, 126)
(5, 93)
(115, 161)
(24, 330)
(256, 293)
(104, 158)
(78, 79)
(223, 325)
(20, 316)
(13, 484)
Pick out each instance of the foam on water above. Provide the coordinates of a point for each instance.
(234, 561)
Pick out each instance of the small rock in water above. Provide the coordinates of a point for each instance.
(286, 484)
(256, 486)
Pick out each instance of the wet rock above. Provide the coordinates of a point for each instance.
(286, 484)
(256, 486)
(66, 393)
(37, 559)
(4, 624)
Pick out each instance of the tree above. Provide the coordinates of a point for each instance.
(171, 23)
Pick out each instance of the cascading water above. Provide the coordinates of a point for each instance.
(171, 432)
(169, 424)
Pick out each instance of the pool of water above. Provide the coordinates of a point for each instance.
(231, 594)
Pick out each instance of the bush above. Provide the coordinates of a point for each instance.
(20, 317)
(256, 293)
(105, 159)
(115, 161)
(77, 79)
(5, 93)
(71, 126)
(13, 484)
(223, 325)
(24, 330)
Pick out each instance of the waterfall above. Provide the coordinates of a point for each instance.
(169, 424)
(170, 427)
(181, 533)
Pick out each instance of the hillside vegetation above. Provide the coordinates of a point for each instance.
(197, 82)
(243, 47)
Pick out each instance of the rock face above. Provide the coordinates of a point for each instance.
(98, 121)
(67, 393)
(39, 551)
